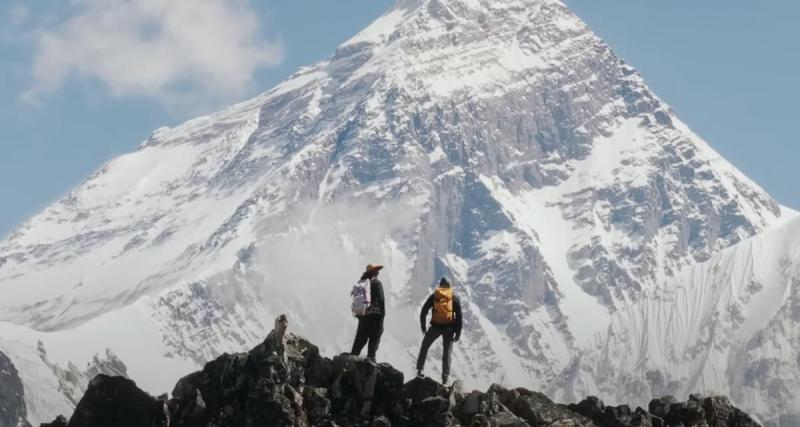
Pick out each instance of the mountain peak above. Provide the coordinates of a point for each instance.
(446, 48)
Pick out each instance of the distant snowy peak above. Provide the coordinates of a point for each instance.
(470, 48)
(724, 326)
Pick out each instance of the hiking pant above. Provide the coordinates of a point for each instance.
(434, 332)
(370, 329)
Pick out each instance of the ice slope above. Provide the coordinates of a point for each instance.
(727, 326)
(499, 142)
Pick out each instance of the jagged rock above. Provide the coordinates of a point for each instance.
(354, 386)
(265, 407)
(481, 408)
(285, 382)
(538, 410)
(12, 395)
(381, 421)
(296, 400)
(433, 411)
(660, 407)
(685, 413)
(505, 395)
(187, 406)
(316, 404)
(317, 370)
(501, 419)
(60, 421)
(421, 388)
(591, 407)
(362, 388)
(117, 401)
(389, 386)
(720, 412)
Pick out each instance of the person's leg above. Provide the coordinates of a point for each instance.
(447, 347)
(361, 336)
(376, 330)
(430, 336)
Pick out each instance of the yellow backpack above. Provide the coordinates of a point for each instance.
(443, 306)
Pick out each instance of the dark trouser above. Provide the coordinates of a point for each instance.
(434, 332)
(370, 328)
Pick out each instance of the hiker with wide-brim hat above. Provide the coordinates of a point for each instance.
(370, 322)
(445, 322)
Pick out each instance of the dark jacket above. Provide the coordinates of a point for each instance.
(457, 321)
(378, 305)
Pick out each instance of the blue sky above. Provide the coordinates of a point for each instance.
(76, 87)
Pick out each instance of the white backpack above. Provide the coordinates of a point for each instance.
(361, 297)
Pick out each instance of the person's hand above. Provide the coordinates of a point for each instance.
(457, 337)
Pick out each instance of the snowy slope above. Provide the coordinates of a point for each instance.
(498, 142)
(726, 326)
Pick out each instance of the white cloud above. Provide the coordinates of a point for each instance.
(173, 51)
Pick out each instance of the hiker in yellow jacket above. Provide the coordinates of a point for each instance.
(445, 323)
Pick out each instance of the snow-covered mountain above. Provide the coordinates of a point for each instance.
(499, 142)
(727, 325)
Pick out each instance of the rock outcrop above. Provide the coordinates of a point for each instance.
(12, 394)
(284, 381)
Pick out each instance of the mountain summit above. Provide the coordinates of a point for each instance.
(500, 143)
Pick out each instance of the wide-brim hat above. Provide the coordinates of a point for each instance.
(373, 268)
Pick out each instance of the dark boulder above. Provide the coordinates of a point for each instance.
(433, 411)
(591, 407)
(116, 401)
(685, 413)
(660, 407)
(421, 388)
(363, 389)
(720, 412)
(316, 404)
(538, 410)
(60, 421)
(317, 370)
(501, 419)
(388, 396)
(484, 409)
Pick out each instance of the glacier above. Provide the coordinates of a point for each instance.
(500, 142)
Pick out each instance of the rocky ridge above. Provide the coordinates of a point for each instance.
(284, 381)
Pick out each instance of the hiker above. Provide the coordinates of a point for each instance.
(445, 323)
(369, 308)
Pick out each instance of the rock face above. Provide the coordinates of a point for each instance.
(499, 142)
(12, 395)
(116, 401)
(288, 383)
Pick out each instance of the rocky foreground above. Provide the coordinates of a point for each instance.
(284, 381)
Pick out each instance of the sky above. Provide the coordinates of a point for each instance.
(83, 81)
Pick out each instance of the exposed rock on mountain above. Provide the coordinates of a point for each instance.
(12, 402)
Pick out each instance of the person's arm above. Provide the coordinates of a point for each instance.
(459, 322)
(423, 314)
(377, 297)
